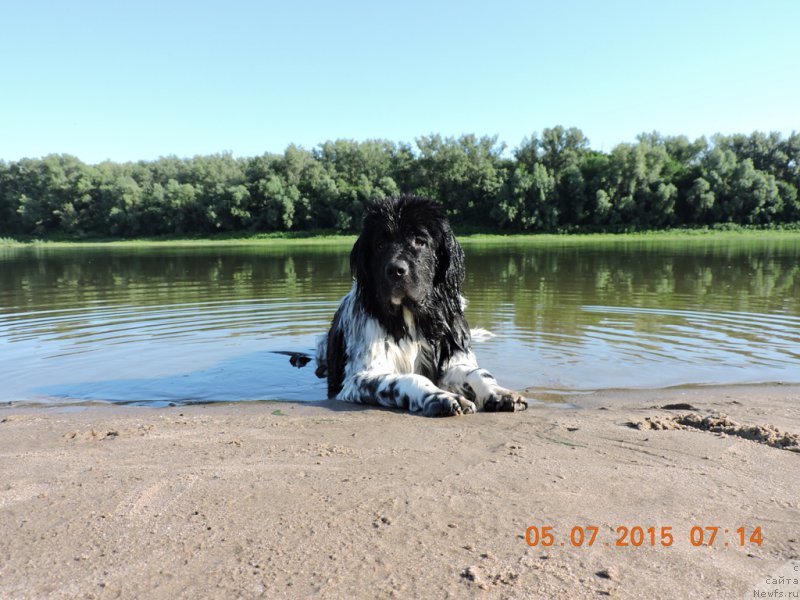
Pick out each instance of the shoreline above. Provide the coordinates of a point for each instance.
(340, 501)
(323, 238)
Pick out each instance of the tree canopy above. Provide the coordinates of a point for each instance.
(553, 182)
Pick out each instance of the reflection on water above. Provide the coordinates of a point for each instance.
(202, 324)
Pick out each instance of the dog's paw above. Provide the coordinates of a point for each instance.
(505, 401)
(445, 404)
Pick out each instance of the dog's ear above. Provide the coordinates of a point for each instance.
(450, 259)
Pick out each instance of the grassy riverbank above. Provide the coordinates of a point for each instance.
(467, 237)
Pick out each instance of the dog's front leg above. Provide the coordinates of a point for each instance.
(464, 376)
(409, 391)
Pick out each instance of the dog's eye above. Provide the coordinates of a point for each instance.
(420, 242)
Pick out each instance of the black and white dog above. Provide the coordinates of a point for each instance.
(399, 338)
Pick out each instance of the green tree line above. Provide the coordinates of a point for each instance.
(551, 182)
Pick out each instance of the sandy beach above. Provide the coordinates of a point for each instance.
(281, 500)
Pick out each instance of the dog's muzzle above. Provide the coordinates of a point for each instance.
(397, 274)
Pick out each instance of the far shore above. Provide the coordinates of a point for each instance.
(330, 500)
(326, 238)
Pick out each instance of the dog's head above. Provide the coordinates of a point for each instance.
(407, 256)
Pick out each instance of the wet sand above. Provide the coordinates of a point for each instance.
(282, 500)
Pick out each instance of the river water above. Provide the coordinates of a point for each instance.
(161, 325)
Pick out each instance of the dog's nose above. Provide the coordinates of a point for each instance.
(396, 269)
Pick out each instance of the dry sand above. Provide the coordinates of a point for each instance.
(334, 501)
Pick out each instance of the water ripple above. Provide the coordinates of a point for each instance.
(162, 352)
(628, 347)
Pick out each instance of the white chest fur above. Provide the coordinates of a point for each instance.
(377, 350)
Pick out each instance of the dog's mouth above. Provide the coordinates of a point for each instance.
(402, 293)
(397, 294)
(403, 297)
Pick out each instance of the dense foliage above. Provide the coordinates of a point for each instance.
(552, 182)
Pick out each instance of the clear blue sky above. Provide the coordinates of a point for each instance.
(138, 80)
